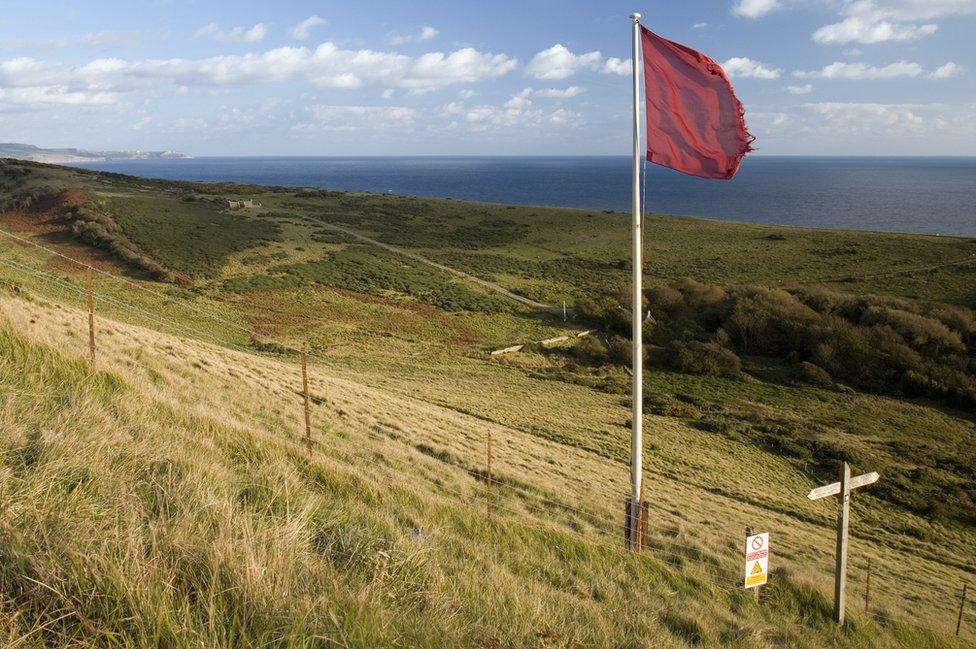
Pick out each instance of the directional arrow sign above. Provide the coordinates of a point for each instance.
(843, 491)
(834, 488)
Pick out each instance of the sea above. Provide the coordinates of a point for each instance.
(932, 195)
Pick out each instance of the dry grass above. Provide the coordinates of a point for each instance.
(138, 516)
(167, 499)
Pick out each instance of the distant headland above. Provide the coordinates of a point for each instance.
(63, 156)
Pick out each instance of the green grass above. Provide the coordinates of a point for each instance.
(191, 238)
(365, 269)
(583, 252)
(166, 500)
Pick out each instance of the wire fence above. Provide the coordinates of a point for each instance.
(492, 493)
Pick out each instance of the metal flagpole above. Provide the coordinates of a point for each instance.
(636, 437)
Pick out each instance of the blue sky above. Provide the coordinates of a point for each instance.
(819, 77)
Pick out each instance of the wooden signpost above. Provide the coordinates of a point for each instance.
(843, 491)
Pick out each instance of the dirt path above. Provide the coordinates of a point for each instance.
(492, 286)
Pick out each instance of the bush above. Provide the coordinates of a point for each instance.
(883, 345)
(589, 350)
(99, 230)
(703, 358)
(813, 374)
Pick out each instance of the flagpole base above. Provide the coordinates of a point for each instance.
(636, 524)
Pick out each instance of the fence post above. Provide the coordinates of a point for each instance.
(962, 604)
(91, 316)
(488, 458)
(308, 409)
(645, 514)
(628, 512)
(867, 588)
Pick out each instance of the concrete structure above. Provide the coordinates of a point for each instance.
(248, 204)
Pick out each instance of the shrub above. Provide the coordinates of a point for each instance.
(880, 344)
(703, 358)
(101, 231)
(813, 374)
(589, 350)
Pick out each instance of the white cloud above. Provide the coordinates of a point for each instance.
(558, 62)
(516, 113)
(862, 71)
(332, 118)
(560, 93)
(946, 71)
(520, 100)
(741, 66)
(234, 34)
(860, 117)
(878, 21)
(25, 72)
(853, 52)
(426, 33)
(805, 89)
(41, 97)
(865, 31)
(327, 66)
(699, 26)
(909, 10)
(467, 93)
(303, 30)
(755, 8)
(92, 40)
(105, 39)
(867, 127)
(613, 65)
(388, 93)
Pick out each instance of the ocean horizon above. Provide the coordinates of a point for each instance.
(928, 195)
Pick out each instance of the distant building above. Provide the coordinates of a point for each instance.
(248, 204)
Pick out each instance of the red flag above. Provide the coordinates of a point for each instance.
(695, 122)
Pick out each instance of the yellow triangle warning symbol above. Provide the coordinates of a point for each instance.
(756, 568)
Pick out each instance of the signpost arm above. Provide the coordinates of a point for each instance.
(843, 511)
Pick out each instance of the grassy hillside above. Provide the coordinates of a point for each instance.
(167, 499)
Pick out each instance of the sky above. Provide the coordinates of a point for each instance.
(506, 77)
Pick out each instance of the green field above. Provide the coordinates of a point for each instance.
(166, 500)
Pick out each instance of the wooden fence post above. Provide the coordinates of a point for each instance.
(645, 533)
(488, 474)
(867, 588)
(308, 409)
(91, 316)
(962, 604)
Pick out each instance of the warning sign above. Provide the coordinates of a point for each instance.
(757, 560)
